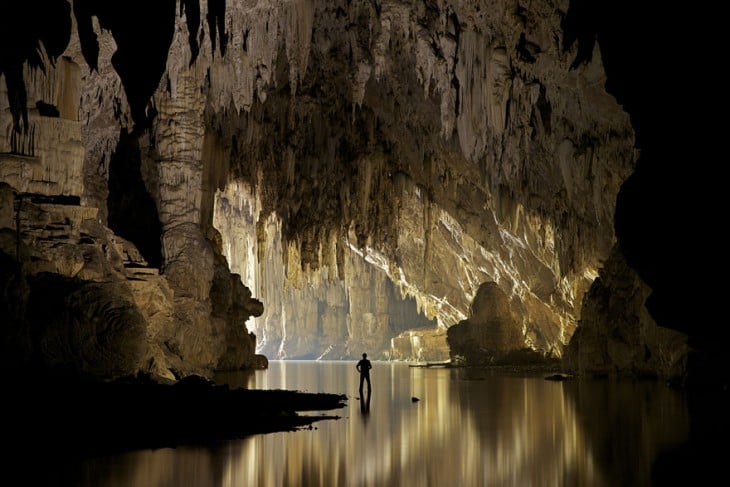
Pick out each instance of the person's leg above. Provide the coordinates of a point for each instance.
(362, 379)
(367, 378)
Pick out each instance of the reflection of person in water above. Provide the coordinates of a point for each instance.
(364, 366)
(365, 405)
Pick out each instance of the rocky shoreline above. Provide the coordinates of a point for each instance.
(94, 417)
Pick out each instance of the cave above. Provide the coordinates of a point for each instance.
(198, 187)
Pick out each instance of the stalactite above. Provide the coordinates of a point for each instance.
(299, 17)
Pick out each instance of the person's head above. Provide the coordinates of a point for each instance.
(364, 355)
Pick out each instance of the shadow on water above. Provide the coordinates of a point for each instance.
(629, 423)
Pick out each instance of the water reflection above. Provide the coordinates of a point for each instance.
(365, 404)
(470, 427)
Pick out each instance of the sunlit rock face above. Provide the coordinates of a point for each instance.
(368, 166)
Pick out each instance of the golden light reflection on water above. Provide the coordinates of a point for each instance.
(468, 428)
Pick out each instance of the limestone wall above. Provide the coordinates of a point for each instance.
(46, 155)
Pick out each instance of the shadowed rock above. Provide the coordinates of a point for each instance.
(490, 334)
(138, 412)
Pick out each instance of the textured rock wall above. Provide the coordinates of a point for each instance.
(617, 335)
(76, 298)
(439, 146)
(67, 304)
(450, 144)
(108, 310)
(43, 156)
(336, 311)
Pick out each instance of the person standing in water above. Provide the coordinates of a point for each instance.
(364, 366)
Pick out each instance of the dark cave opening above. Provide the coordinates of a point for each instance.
(132, 211)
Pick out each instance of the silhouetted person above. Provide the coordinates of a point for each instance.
(364, 366)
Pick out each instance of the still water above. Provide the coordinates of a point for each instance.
(469, 427)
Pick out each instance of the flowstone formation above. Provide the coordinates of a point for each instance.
(364, 167)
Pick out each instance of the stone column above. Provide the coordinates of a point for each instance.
(179, 133)
(188, 258)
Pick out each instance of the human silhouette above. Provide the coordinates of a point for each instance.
(364, 366)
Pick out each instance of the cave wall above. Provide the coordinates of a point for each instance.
(617, 334)
(426, 147)
(451, 145)
(313, 314)
(106, 267)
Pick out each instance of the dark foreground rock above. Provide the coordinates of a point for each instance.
(96, 417)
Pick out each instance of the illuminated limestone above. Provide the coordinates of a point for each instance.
(446, 147)
(389, 153)
(45, 156)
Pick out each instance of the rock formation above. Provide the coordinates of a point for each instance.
(490, 334)
(617, 335)
(361, 167)
(78, 297)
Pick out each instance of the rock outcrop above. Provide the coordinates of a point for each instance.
(83, 417)
(491, 335)
(83, 297)
(79, 300)
(618, 336)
